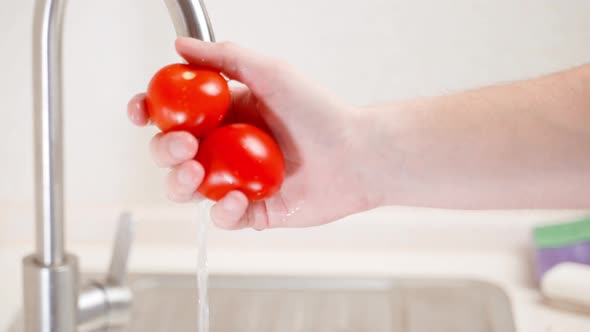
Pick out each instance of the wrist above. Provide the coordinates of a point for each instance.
(375, 156)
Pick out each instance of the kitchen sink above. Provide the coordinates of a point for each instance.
(165, 303)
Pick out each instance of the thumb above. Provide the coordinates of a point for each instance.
(236, 62)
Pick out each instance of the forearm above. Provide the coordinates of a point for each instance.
(518, 145)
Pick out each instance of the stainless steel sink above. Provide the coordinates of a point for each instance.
(303, 304)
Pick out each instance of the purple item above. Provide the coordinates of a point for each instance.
(547, 258)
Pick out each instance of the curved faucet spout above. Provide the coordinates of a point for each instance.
(190, 19)
(50, 275)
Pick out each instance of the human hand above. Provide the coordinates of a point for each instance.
(316, 132)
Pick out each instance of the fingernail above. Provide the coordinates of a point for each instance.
(134, 117)
(185, 177)
(178, 150)
(231, 204)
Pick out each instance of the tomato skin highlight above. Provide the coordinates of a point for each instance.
(183, 97)
(240, 157)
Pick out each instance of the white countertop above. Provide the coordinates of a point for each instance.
(367, 245)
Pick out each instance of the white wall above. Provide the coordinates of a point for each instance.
(367, 51)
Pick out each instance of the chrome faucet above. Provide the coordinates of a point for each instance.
(53, 300)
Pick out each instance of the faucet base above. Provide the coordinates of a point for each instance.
(51, 295)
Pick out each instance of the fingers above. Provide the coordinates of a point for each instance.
(173, 148)
(177, 149)
(257, 216)
(235, 212)
(183, 181)
(236, 62)
(136, 110)
(228, 212)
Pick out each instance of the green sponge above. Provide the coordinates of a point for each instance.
(554, 236)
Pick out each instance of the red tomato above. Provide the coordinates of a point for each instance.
(240, 157)
(189, 98)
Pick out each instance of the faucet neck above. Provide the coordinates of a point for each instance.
(50, 275)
